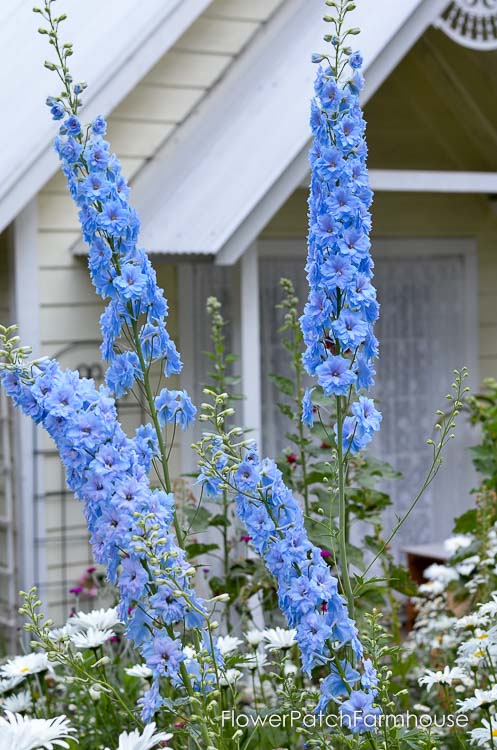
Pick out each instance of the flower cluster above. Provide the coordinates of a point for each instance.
(338, 318)
(307, 591)
(133, 325)
(129, 521)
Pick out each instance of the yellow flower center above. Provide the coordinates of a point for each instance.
(482, 636)
(494, 732)
(477, 654)
(24, 670)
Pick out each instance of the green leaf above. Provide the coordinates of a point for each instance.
(467, 523)
(285, 385)
(195, 549)
(287, 410)
(401, 581)
(219, 520)
(199, 518)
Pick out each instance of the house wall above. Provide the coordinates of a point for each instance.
(426, 215)
(69, 308)
(8, 583)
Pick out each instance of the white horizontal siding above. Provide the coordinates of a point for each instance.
(255, 10)
(157, 103)
(180, 68)
(217, 35)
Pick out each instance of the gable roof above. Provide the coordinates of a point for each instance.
(118, 42)
(215, 184)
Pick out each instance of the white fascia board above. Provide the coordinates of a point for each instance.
(234, 162)
(419, 181)
(116, 43)
(428, 181)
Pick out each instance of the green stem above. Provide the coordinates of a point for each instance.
(303, 462)
(226, 557)
(342, 504)
(155, 419)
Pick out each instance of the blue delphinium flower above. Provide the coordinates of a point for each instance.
(108, 472)
(307, 408)
(358, 714)
(175, 407)
(121, 272)
(337, 683)
(338, 318)
(307, 591)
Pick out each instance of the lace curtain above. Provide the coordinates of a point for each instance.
(421, 333)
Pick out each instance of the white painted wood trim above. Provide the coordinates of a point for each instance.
(186, 347)
(419, 181)
(251, 342)
(131, 59)
(26, 313)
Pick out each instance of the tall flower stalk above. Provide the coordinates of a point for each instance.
(339, 316)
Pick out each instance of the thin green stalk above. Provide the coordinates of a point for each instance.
(226, 557)
(342, 504)
(155, 419)
(303, 461)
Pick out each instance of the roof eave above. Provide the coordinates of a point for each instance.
(131, 63)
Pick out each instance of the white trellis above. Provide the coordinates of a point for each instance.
(472, 23)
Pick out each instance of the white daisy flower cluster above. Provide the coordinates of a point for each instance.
(468, 681)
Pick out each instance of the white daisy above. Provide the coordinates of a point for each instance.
(139, 670)
(486, 734)
(10, 684)
(480, 698)
(279, 638)
(22, 666)
(92, 638)
(227, 643)
(63, 633)
(441, 573)
(473, 620)
(290, 669)
(23, 733)
(144, 741)
(457, 542)
(254, 637)
(489, 608)
(466, 567)
(230, 676)
(256, 661)
(100, 619)
(480, 646)
(445, 677)
(18, 703)
(432, 588)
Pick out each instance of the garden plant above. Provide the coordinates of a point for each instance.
(299, 642)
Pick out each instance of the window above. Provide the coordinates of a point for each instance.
(427, 327)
